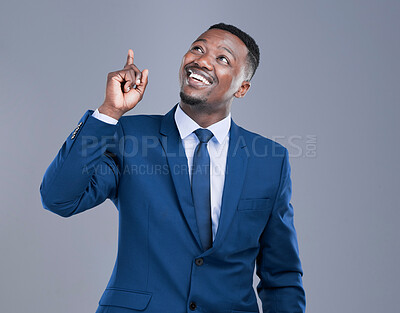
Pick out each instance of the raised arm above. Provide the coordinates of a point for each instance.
(87, 168)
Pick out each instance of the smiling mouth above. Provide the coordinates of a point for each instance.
(197, 77)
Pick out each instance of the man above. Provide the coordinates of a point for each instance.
(200, 199)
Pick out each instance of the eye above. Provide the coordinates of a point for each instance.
(197, 48)
(224, 59)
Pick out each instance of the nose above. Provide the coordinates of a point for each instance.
(204, 61)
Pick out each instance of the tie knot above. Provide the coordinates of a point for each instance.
(204, 135)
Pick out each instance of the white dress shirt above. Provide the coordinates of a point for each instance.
(217, 149)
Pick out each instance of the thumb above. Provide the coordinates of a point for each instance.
(141, 87)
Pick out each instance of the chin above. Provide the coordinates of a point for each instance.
(190, 100)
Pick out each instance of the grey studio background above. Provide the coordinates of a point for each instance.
(326, 88)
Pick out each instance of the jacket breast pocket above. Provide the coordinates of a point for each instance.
(135, 300)
(252, 216)
(262, 204)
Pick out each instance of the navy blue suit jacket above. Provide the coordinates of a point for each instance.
(140, 164)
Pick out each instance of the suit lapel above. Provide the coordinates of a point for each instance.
(178, 165)
(234, 178)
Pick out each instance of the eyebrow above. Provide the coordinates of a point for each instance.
(229, 51)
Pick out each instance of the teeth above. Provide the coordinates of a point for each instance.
(198, 77)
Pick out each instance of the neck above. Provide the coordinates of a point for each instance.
(202, 115)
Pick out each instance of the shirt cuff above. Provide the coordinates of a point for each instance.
(105, 118)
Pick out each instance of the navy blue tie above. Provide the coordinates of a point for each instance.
(201, 187)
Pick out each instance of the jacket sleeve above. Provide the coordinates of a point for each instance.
(278, 263)
(86, 170)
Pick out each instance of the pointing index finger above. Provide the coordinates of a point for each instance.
(129, 59)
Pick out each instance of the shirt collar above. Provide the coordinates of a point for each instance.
(187, 126)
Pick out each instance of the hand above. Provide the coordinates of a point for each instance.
(125, 88)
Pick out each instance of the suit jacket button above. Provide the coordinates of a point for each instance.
(193, 306)
(199, 261)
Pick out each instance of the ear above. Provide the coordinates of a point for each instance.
(244, 87)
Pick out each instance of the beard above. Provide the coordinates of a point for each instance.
(192, 100)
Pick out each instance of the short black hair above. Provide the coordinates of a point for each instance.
(253, 56)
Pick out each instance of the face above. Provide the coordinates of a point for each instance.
(212, 72)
